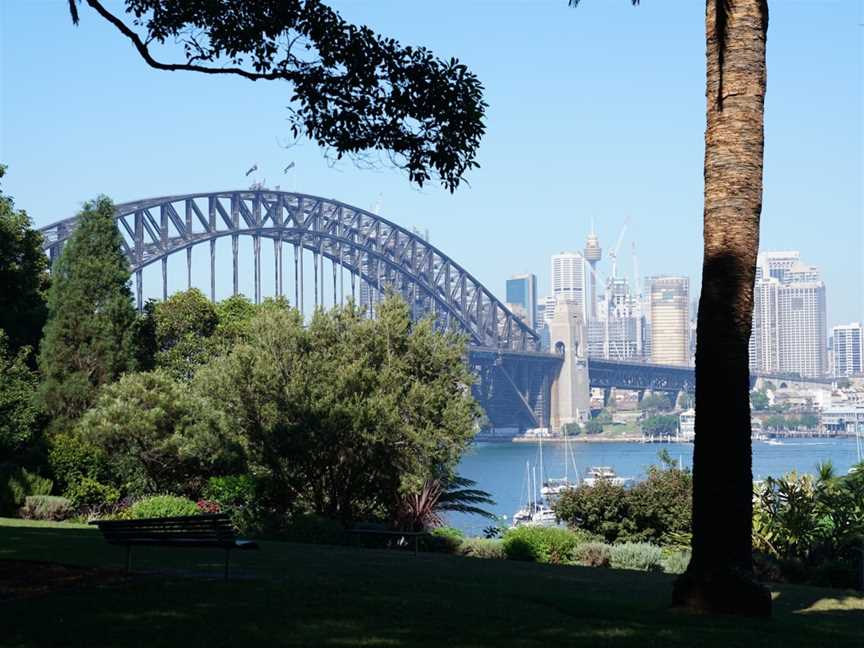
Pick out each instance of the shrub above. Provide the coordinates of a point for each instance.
(541, 544)
(840, 573)
(239, 497)
(16, 483)
(636, 555)
(482, 548)
(46, 507)
(71, 460)
(158, 506)
(676, 561)
(661, 506)
(443, 540)
(593, 554)
(208, 506)
(602, 509)
(657, 509)
(314, 529)
(88, 494)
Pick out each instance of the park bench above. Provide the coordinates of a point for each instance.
(415, 535)
(213, 530)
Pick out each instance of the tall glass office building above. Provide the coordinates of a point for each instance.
(789, 319)
(522, 297)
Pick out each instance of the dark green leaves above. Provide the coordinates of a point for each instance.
(354, 92)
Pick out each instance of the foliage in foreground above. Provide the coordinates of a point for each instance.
(541, 544)
(161, 437)
(23, 277)
(19, 413)
(159, 506)
(811, 529)
(46, 507)
(353, 91)
(426, 508)
(344, 417)
(88, 337)
(16, 484)
(654, 510)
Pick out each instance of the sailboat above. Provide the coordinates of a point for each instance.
(526, 503)
(555, 486)
(533, 511)
(859, 447)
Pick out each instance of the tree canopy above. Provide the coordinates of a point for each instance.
(19, 414)
(88, 338)
(347, 415)
(354, 91)
(161, 437)
(23, 277)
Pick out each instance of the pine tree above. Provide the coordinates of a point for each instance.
(89, 335)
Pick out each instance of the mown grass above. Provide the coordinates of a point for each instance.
(306, 595)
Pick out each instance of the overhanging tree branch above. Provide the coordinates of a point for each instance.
(353, 90)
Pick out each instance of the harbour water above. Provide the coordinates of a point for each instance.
(499, 468)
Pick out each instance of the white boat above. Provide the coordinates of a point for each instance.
(605, 473)
(773, 442)
(553, 487)
(533, 511)
(544, 516)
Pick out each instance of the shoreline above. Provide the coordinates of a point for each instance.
(598, 439)
(627, 439)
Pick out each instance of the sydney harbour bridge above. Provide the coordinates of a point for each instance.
(351, 252)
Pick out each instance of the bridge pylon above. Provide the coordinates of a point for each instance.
(571, 391)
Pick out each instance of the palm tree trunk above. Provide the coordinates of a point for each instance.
(720, 574)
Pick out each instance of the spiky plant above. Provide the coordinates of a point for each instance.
(426, 508)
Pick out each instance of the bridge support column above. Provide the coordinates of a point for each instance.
(256, 259)
(189, 268)
(164, 278)
(234, 243)
(277, 255)
(607, 396)
(571, 394)
(212, 270)
(139, 294)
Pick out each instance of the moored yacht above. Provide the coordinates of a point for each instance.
(605, 473)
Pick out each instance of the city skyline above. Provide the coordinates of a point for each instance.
(570, 165)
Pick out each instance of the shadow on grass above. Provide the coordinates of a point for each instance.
(289, 594)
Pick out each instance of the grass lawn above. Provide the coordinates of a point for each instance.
(290, 594)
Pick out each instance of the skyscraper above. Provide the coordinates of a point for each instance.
(569, 281)
(848, 349)
(522, 297)
(669, 304)
(789, 318)
(592, 254)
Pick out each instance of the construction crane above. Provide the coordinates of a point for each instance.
(614, 253)
(609, 284)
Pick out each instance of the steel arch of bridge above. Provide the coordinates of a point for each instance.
(380, 252)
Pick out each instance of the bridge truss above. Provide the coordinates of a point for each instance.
(376, 251)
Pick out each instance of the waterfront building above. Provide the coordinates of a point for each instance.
(668, 304)
(789, 317)
(847, 349)
(521, 294)
(569, 281)
(843, 420)
(687, 424)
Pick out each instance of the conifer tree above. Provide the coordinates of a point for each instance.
(89, 335)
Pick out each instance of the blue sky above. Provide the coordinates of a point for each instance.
(594, 112)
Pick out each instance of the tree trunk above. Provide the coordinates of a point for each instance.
(720, 575)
